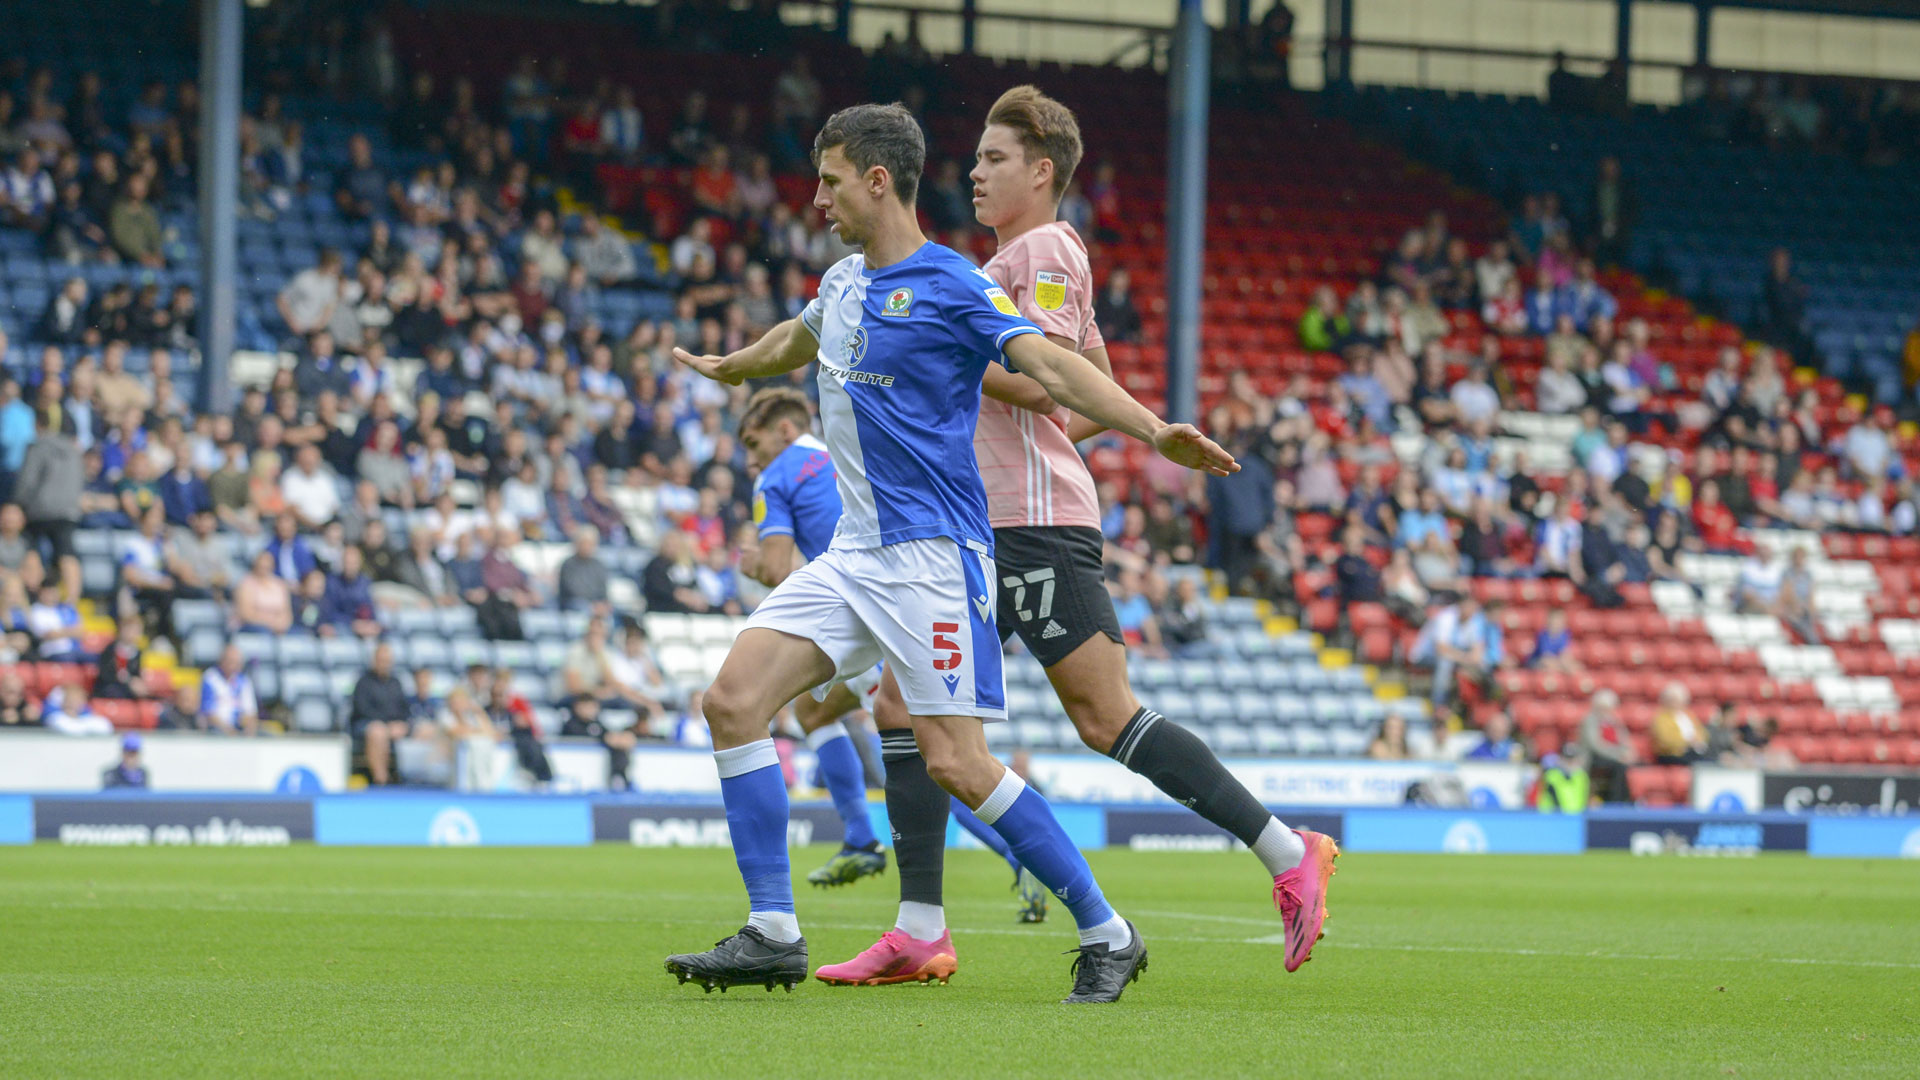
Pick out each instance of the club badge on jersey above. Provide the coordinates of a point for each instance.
(899, 304)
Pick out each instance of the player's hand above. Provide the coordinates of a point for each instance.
(1184, 445)
(710, 366)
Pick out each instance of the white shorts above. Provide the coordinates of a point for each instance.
(865, 686)
(922, 606)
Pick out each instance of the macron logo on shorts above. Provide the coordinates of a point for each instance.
(980, 605)
(953, 683)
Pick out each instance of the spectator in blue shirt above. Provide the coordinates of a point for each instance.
(16, 425)
(1497, 742)
(293, 557)
(1552, 644)
(1583, 298)
(348, 606)
(183, 493)
(1428, 520)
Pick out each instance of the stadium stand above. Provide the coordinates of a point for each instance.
(1357, 358)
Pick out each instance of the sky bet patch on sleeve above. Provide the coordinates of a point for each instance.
(1002, 302)
(1049, 290)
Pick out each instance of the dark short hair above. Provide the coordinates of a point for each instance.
(883, 135)
(773, 404)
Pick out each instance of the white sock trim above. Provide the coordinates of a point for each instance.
(781, 926)
(1279, 848)
(998, 803)
(921, 922)
(1113, 932)
(825, 734)
(744, 759)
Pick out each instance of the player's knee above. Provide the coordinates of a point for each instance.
(972, 777)
(727, 709)
(1099, 717)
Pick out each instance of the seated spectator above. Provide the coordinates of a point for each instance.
(263, 601)
(1607, 746)
(74, 714)
(1868, 446)
(1678, 739)
(362, 190)
(1496, 741)
(1552, 644)
(1390, 742)
(118, 677)
(17, 710)
(1402, 591)
(1506, 311)
(1135, 612)
(588, 669)
(144, 562)
(1456, 640)
(670, 582)
(1795, 605)
(1118, 319)
(470, 736)
(378, 713)
(421, 570)
(1323, 324)
(636, 675)
(348, 603)
(507, 589)
(1715, 524)
(311, 489)
(133, 226)
(1178, 613)
(310, 606)
(183, 712)
(56, 628)
(511, 714)
(603, 253)
(19, 560)
(293, 556)
(128, 772)
(583, 578)
(1355, 579)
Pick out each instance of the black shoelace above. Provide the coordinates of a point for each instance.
(1086, 967)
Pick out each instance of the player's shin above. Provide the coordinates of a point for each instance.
(756, 798)
(1020, 815)
(845, 781)
(917, 813)
(1181, 765)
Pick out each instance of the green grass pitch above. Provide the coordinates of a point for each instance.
(331, 962)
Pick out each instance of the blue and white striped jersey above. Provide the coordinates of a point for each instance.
(902, 353)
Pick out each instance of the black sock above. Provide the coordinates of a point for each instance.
(1180, 764)
(917, 812)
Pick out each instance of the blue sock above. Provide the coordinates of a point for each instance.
(845, 780)
(984, 833)
(1018, 813)
(756, 798)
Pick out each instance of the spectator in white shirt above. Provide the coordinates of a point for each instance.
(307, 303)
(697, 241)
(1557, 548)
(310, 488)
(228, 704)
(1868, 447)
(605, 254)
(1558, 390)
(1473, 399)
(1493, 269)
(75, 715)
(623, 127)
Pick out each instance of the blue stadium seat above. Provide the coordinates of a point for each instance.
(299, 650)
(343, 653)
(302, 682)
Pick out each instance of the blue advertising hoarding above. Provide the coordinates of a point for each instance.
(16, 819)
(1465, 832)
(452, 821)
(1847, 836)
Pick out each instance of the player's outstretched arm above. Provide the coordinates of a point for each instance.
(1073, 381)
(1016, 390)
(787, 346)
(1080, 428)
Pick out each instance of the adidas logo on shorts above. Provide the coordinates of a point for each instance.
(1053, 630)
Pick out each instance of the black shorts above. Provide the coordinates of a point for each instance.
(58, 535)
(1053, 589)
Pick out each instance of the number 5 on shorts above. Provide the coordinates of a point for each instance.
(943, 643)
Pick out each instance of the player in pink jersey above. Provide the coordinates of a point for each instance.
(1048, 556)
